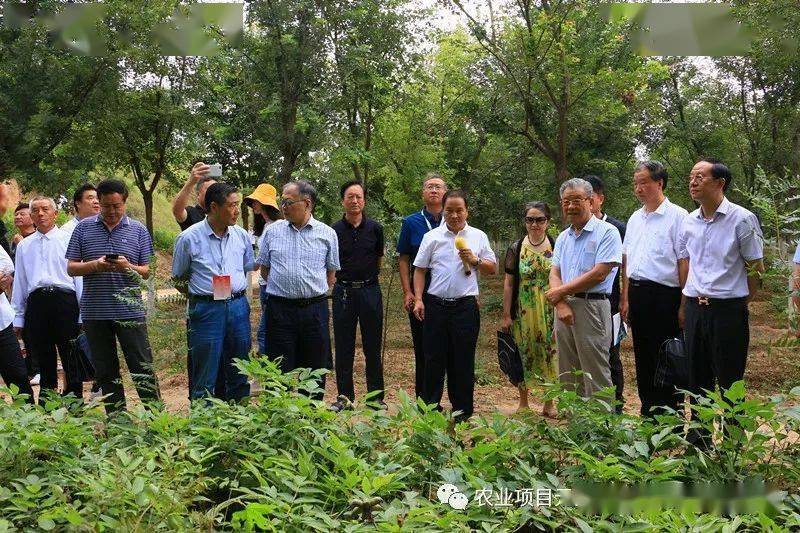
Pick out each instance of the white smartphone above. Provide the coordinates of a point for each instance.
(215, 170)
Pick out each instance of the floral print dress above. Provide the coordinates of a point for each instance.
(533, 325)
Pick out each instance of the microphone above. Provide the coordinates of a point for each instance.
(461, 244)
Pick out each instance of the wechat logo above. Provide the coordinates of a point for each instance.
(449, 494)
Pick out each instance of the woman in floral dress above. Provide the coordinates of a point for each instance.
(525, 310)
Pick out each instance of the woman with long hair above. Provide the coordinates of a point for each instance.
(526, 312)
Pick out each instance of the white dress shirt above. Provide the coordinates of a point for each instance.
(6, 311)
(438, 252)
(69, 226)
(651, 244)
(717, 251)
(41, 262)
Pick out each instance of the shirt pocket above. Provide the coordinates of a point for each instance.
(587, 261)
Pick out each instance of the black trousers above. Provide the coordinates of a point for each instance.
(717, 340)
(653, 315)
(419, 354)
(300, 335)
(31, 363)
(450, 335)
(12, 365)
(51, 326)
(362, 306)
(132, 335)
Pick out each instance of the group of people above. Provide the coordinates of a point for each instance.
(665, 274)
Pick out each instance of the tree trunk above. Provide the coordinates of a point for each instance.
(147, 198)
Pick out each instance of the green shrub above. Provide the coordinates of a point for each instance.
(286, 463)
(164, 240)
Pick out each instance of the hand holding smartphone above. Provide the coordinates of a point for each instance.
(215, 170)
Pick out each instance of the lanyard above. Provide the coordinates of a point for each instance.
(428, 222)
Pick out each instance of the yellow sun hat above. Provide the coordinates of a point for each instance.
(265, 194)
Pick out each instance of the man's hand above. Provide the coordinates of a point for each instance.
(104, 265)
(564, 313)
(5, 281)
(505, 323)
(554, 295)
(623, 311)
(408, 301)
(18, 332)
(467, 256)
(199, 170)
(681, 316)
(419, 309)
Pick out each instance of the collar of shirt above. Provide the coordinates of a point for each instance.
(723, 209)
(431, 217)
(98, 219)
(310, 224)
(360, 225)
(52, 234)
(210, 231)
(590, 226)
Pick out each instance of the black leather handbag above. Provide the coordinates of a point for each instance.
(508, 357)
(80, 366)
(672, 368)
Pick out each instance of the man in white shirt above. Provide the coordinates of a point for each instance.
(45, 297)
(86, 205)
(449, 309)
(652, 281)
(12, 365)
(722, 245)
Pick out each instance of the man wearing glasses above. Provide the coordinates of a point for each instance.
(585, 260)
(299, 258)
(722, 246)
(414, 227)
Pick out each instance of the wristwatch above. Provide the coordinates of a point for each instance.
(479, 263)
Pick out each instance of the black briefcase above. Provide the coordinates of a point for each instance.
(508, 357)
(672, 368)
(80, 364)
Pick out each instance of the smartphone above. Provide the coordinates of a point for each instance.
(112, 257)
(215, 170)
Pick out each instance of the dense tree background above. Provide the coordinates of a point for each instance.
(516, 99)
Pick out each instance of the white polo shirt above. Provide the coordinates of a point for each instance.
(651, 244)
(717, 251)
(438, 253)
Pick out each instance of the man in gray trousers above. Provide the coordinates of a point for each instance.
(585, 260)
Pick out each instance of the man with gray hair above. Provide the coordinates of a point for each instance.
(585, 260)
(299, 258)
(45, 298)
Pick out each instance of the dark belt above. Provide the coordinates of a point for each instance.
(210, 297)
(298, 302)
(591, 295)
(53, 288)
(705, 301)
(646, 283)
(357, 284)
(450, 302)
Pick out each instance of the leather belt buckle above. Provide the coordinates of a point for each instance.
(702, 300)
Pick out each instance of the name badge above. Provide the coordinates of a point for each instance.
(222, 287)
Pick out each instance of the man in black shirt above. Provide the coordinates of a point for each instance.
(186, 215)
(617, 377)
(357, 295)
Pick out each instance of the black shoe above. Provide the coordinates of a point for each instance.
(341, 404)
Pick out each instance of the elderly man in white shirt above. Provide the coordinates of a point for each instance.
(652, 280)
(455, 253)
(12, 365)
(722, 245)
(45, 298)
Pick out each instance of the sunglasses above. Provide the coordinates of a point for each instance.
(535, 220)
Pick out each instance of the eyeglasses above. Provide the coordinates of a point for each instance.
(286, 202)
(434, 187)
(535, 220)
(697, 177)
(575, 202)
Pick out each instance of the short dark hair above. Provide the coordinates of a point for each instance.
(719, 170)
(78, 196)
(112, 187)
(596, 183)
(218, 193)
(343, 188)
(657, 170)
(456, 193)
(22, 205)
(541, 206)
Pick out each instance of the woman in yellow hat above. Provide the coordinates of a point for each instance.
(263, 202)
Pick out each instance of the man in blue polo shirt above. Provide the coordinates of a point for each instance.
(414, 227)
(216, 255)
(112, 252)
(585, 260)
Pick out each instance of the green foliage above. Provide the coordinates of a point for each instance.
(287, 463)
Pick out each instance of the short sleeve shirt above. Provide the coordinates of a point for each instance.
(414, 227)
(797, 254)
(651, 244)
(360, 249)
(111, 295)
(576, 254)
(718, 250)
(194, 214)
